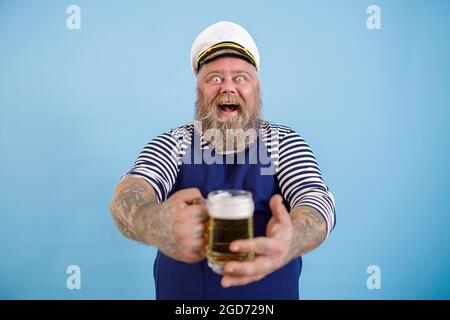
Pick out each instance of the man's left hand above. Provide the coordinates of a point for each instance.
(272, 252)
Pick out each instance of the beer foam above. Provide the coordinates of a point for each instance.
(224, 205)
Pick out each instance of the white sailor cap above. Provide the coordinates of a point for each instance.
(220, 39)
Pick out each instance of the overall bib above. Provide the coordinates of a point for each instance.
(179, 280)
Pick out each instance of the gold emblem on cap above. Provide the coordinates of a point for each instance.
(224, 45)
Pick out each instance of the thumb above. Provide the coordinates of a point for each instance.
(278, 209)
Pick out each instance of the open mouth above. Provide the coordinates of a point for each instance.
(228, 107)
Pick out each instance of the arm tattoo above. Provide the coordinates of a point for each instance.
(311, 227)
(126, 204)
(139, 217)
(309, 231)
(152, 225)
(126, 231)
(129, 197)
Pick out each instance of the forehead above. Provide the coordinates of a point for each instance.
(227, 64)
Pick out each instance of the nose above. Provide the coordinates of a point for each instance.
(228, 87)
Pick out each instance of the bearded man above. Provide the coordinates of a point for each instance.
(160, 200)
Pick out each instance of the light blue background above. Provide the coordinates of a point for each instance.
(76, 107)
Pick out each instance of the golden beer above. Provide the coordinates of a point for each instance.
(230, 218)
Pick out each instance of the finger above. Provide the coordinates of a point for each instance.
(197, 253)
(199, 230)
(260, 266)
(229, 281)
(198, 212)
(190, 195)
(198, 247)
(259, 245)
(199, 201)
(191, 251)
(278, 209)
(194, 257)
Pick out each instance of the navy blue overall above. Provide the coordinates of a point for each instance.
(179, 280)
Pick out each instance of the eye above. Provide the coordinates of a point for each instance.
(241, 78)
(215, 79)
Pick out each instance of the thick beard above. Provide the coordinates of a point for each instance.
(228, 134)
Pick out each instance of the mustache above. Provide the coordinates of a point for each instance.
(229, 99)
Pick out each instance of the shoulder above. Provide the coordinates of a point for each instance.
(280, 130)
(181, 132)
(176, 135)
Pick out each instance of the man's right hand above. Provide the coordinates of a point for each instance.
(176, 227)
(182, 223)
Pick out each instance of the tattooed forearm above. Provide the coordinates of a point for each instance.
(138, 216)
(312, 227)
(132, 196)
(152, 225)
(309, 230)
(126, 231)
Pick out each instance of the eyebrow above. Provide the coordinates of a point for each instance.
(246, 72)
(234, 72)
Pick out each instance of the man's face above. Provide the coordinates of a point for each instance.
(229, 77)
(228, 96)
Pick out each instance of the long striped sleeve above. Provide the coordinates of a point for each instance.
(158, 164)
(300, 178)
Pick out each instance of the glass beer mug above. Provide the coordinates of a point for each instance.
(230, 218)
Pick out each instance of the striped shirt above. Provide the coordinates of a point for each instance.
(295, 165)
